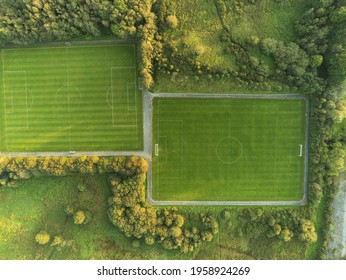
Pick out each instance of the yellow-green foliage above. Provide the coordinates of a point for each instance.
(8, 228)
(15, 168)
(308, 231)
(79, 217)
(130, 213)
(172, 21)
(42, 237)
(57, 240)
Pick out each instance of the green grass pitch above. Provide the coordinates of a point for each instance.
(234, 149)
(73, 97)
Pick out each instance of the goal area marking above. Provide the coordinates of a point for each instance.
(157, 150)
(300, 150)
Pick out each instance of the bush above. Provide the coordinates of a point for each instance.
(79, 217)
(57, 240)
(199, 50)
(81, 187)
(316, 60)
(172, 21)
(136, 243)
(42, 237)
(69, 210)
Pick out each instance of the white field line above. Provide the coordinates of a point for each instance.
(112, 96)
(300, 150)
(68, 98)
(157, 150)
(150, 96)
(26, 103)
(4, 89)
(64, 46)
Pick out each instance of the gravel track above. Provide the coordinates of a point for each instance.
(337, 244)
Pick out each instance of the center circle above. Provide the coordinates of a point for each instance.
(229, 150)
(68, 98)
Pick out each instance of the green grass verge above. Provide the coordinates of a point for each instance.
(77, 97)
(228, 149)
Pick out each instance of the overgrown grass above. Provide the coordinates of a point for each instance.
(266, 19)
(39, 204)
(203, 23)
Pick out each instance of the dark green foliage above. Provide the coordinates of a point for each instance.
(30, 21)
(313, 29)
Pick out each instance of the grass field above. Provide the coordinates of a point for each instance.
(236, 149)
(74, 97)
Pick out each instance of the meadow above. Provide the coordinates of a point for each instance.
(236, 149)
(70, 97)
(40, 203)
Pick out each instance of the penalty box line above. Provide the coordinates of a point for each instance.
(27, 109)
(127, 98)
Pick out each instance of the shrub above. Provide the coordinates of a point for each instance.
(172, 21)
(136, 243)
(79, 217)
(199, 50)
(81, 187)
(316, 60)
(88, 217)
(69, 210)
(57, 240)
(42, 237)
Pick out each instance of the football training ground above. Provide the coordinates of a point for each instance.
(201, 149)
(229, 149)
(70, 97)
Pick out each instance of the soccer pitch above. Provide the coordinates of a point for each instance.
(228, 149)
(70, 97)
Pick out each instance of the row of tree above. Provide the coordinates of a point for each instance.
(16, 168)
(131, 215)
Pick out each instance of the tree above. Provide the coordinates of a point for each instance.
(286, 235)
(42, 237)
(277, 229)
(57, 240)
(339, 112)
(308, 232)
(175, 231)
(172, 21)
(316, 60)
(79, 217)
(199, 50)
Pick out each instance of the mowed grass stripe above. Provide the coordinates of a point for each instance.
(228, 149)
(64, 98)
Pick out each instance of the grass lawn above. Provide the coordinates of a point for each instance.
(76, 97)
(235, 149)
